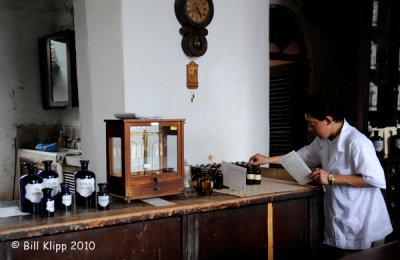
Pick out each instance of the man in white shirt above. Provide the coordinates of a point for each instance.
(354, 208)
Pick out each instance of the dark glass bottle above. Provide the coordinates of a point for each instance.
(50, 178)
(85, 186)
(47, 203)
(103, 199)
(30, 190)
(395, 144)
(206, 183)
(378, 144)
(257, 174)
(196, 176)
(65, 197)
(249, 175)
(218, 179)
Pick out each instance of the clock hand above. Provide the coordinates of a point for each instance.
(198, 10)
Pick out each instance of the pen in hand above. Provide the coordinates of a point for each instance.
(323, 186)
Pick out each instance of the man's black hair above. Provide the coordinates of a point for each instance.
(322, 104)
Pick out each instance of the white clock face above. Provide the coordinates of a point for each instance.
(197, 10)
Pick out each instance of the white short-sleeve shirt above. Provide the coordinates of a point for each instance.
(354, 217)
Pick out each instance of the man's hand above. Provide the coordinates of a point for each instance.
(319, 176)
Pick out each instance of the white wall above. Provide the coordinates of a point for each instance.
(129, 59)
(228, 118)
(100, 75)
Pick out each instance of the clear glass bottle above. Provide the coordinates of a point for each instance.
(188, 189)
(65, 197)
(85, 186)
(61, 141)
(50, 178)
(378, 144)
(30, 190)
(103, 199)
(47, 203)
(206, 182)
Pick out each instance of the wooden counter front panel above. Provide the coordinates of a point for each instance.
(227, 234)
(298, 228)
(157, 239)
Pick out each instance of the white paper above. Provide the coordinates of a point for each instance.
(296, 167)
(11, 211)
(234, 176)
(158, 202)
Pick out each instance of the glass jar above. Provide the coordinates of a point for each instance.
(206, 183)
(65, 197)
(188, 189)
(103, 199)
(249, 175)
(218, 179)
(31, 190)
(47, 203)
(257, 174)
(85, 186)
(196, 176)
(50, 178)
(378, 144)
(395, 144)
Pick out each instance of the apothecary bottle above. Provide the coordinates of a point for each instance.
(103, 199)
(218, 179)
(395, 144)
(257, 174)
(31, 190)
(196, 176)
(85, 186)
(50, 178)
(206, 182)
(378, 144)
(65, 198)
(47, 203)
(249, 175)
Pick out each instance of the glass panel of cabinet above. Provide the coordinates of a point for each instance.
(384, 85)
(144, 157)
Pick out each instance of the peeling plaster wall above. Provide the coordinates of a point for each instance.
(22, 22)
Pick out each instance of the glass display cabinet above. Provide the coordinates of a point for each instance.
(384, 65)
(144, 157)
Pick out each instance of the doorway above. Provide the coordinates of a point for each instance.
(288, 83)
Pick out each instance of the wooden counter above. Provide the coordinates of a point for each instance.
(276, 225)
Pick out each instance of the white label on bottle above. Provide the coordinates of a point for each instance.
(103, 200)
(250, 176)
(67, 200)
(50, 206)
(257, 177)
(378, 145)
(85, 187)
(53, 183)
(374, 49)
(34, 192)
(398, 94)
(373, 97)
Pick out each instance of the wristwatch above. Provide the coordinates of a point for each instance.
(331, 179)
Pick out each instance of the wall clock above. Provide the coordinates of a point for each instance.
(194, 16)
(196, 13)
